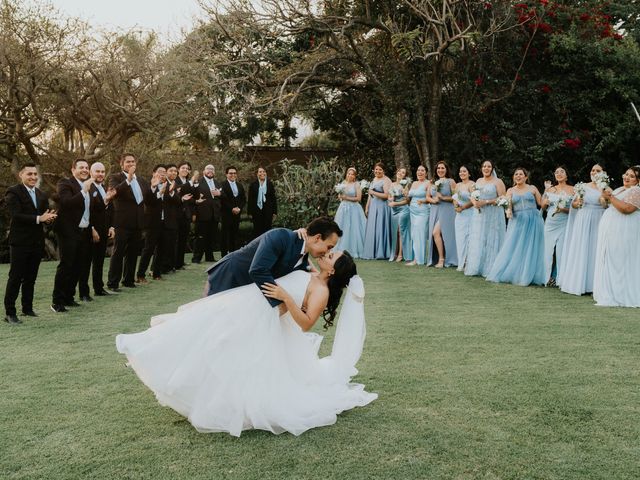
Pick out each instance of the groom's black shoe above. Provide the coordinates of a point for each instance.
(58, 308)
(29, 313)
(12, 320)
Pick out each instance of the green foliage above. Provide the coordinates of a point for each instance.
(306, 191)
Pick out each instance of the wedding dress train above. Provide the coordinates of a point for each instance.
(230, 363)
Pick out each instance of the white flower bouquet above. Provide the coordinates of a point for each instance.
(439, 183)
(405, 181)
(601, 180)
(364, 186)
(580, 190)
(564, 201)
(503, 202)
(340, 188)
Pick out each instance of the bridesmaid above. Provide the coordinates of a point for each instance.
(377, 236)
(400, 218)
(419, 211)
(442, 230)
(578, 262)
(464, 211)
(487, 224)
(617, 275)
(350, 216)
(556, 200)
(521, 258)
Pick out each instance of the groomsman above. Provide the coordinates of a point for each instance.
(153, 216)
(206, 196)
(172, 209)
(262, 203)
(28, 209)
(184, 190)
(101, 229)
(233, 200)
(73, 232)
(127, 191)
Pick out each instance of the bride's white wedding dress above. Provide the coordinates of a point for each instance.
(230, 363)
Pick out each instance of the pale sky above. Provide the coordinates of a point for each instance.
(167, 17)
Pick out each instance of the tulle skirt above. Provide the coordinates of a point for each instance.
(351, 220)
(229, 363)
(521, 258)
(617, 270)
(485, 239)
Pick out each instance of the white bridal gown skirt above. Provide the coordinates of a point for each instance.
(230, 363)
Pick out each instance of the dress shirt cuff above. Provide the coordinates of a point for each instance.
(37, 219)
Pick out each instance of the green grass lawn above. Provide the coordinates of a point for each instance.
(476, 380)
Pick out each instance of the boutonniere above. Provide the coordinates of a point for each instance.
(95, 194)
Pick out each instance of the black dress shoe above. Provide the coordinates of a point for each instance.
(197, 262)
(29, 313)
(86, 299)
(12, 320)
(102, 293)
(58, 308)
(72, 303)
(129, 285)
(115, 290)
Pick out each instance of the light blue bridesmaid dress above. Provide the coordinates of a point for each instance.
(419, 223)
(578, 263)
(521, 258)
(377, 236)
(445, 214)
(486, 235)
(401, 224)
(554, 229)
(463, 227)
(351, 220)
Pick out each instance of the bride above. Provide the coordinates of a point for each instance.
(231, 362)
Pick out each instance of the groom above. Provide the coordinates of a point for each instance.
(273, 254)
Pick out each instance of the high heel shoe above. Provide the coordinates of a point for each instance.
(399, 259)
(440, 264)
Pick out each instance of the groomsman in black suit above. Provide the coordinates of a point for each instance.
(233, 200)
(126, 192)
(73, 232)
(28, 209)
(153, 217)
(172, 209)
(206, 194)
(100, 230)
(262, 204)
(184, 190)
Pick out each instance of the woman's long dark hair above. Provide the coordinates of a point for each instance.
(344, 269)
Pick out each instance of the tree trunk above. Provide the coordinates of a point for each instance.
(434, 114)
(400, 140)
(422, 141)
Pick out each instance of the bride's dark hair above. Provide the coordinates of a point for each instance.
(343, 270)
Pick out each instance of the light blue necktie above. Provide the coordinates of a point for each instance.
(137, 192)
(234, 188)
(100, 188)
(262, 194)
(33, 197)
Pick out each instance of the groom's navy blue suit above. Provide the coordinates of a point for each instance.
(269, 256)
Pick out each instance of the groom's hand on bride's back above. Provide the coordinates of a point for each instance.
(302, 233)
